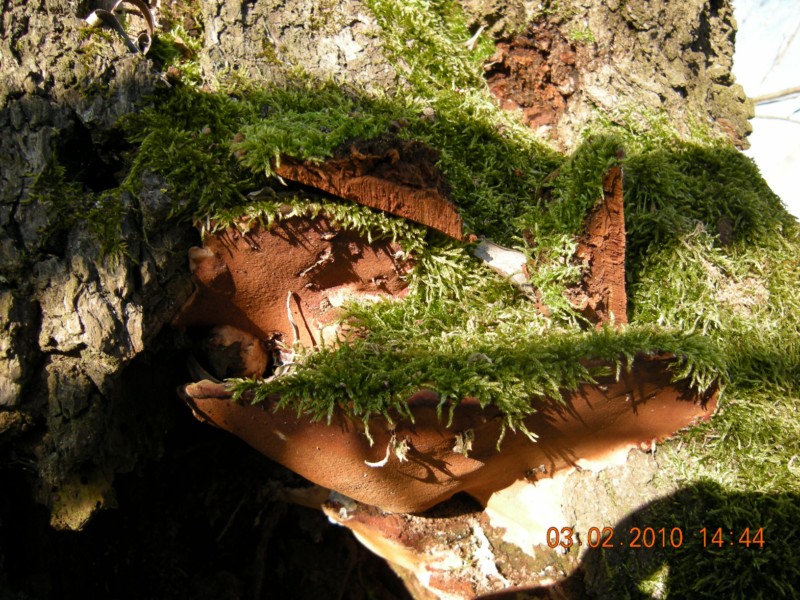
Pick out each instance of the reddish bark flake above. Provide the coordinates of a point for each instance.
(601, 294)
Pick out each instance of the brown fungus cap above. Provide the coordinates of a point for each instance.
(585, 425)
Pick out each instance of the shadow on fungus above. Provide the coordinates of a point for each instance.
(704, 541)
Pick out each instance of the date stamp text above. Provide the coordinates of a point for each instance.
(650, 537)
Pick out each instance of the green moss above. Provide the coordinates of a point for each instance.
(495, 167)
(574, 188)
(70, 205)
(185, 136)
(94, 40)
(670, 191)
(515, 373)
(426, 41)
(179, 50)
(643, 129)
(371, 224)
(733, 569)
(582, 35)
(322, 14)
(560, 10)
(306, 123)
(270, 52)
(188, 137)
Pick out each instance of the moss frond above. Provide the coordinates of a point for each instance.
(514, 374)
(425, 39)
(371, 224)
(69, 204)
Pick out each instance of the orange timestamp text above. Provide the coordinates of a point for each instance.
(650, 537)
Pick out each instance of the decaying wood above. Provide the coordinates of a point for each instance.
(285, 283)
(601, 295)
(283, 286)
(519, 486)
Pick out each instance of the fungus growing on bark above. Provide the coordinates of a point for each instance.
(285, 285)
(589, 424)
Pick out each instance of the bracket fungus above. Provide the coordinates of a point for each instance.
(284, 286)
(587, 425)
(399, 177)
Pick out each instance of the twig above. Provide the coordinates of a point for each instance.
(777, 118)
(763, 99)
(295, 330)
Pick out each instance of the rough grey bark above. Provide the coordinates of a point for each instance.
(336, 41)
(71, 318)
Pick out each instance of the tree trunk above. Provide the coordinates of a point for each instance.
(90, 285)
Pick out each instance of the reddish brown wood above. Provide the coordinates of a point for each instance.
(602, 247)
(307, 267)
(535, 74)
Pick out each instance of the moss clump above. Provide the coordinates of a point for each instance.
(214, 148)
(185, 136)
(426, 42)
(306, 123)
(178, 50)
(582, 35)
(515, 374)
(190, 138)
(69, 204)
(733, 569)
(671, 190)
(709, 542)
(371, 224)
